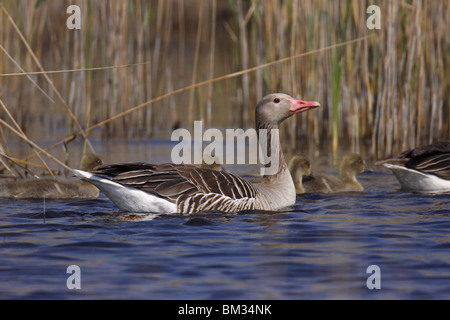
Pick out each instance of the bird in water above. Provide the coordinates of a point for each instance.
(186, 189)
(422, 169)
(351, 165)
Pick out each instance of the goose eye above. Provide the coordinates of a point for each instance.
(276, 100)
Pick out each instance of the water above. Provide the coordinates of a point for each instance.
(319, 249)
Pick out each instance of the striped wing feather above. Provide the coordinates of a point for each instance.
(433, 159)
(191, 188)
(438, 165)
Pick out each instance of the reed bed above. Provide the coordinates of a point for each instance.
(384, 93)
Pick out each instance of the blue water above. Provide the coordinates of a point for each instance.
(320, 249)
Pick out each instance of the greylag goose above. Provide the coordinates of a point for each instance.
(186, 189)
(299, 167)
(422, 169)
(351, 165)
(54, 188)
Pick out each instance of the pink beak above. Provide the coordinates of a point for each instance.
(298, 106)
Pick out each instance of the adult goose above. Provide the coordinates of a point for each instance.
(186, 189)
(351, 165)
(422, 169)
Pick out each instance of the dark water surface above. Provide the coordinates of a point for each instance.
(320, 249)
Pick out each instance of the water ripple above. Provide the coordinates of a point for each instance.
(320, 248)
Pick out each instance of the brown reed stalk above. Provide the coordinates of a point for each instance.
(36, 61)
(21, 164)
(394, 85)
(35, 146)
(22, 134)
(421, 75)
(195, 65)
(11, 169)
(212, 55)
(200, 84)
(243, 45)
(24, 73)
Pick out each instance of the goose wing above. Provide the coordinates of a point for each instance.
(433, 159)
(183, 185)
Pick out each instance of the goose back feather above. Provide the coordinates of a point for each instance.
(190, 188)
(432, 159)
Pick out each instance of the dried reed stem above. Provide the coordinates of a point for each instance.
(36, 60)
(22, 134)
(390, 90)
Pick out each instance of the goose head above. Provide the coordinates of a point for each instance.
(351, 165)
(89, 161)
(299, 167)
(276, 107)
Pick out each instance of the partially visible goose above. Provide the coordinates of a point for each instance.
(351, 165)
(422, 169)
(171, 188)
(211, 162)
(299, 167)
(89, 161)
(55, 188)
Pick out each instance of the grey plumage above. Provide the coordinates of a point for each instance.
(433, 159)
(189, 189)
(430, 159)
